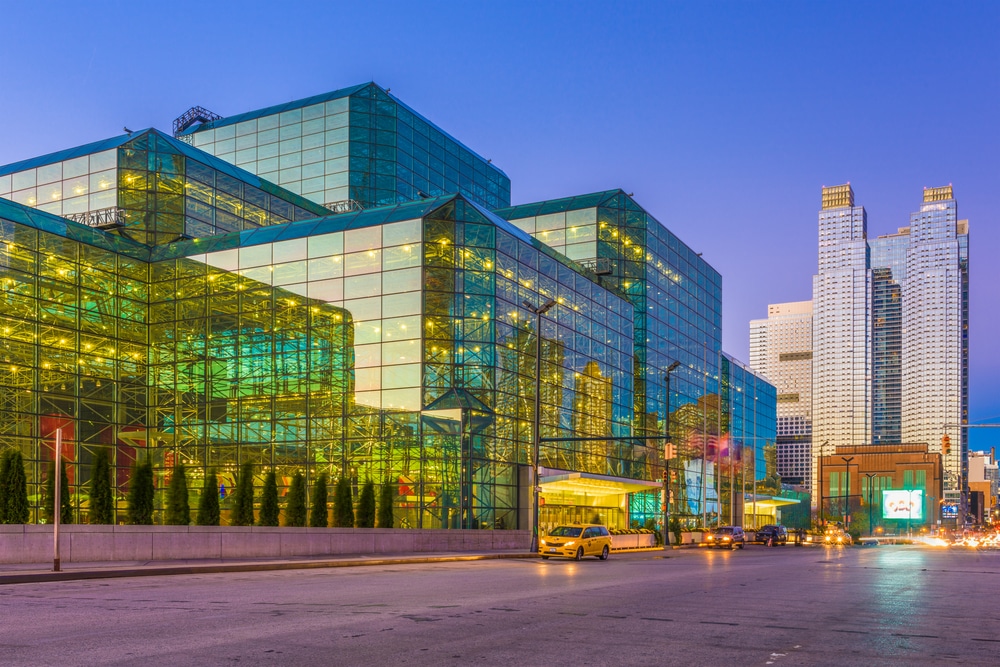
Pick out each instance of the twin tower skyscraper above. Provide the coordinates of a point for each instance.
(889, 333)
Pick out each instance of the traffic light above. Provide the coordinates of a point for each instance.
(945, 445)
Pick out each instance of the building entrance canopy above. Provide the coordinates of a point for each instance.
(585, 483)
(582, 497)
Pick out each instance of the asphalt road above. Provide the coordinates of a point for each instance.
(783, 606)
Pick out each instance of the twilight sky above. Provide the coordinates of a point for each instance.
(723, 118)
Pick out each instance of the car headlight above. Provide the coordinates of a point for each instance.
(725, 539)
(710, 538)
(569, 544)
(542, 542)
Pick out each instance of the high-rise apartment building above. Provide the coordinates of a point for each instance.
(888, 258)
(842, 351)
(935, 334)
(781, 349)
(890, 332)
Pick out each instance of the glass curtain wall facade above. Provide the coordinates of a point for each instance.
(390, 345)
(745, 455)
(355, 147)
(676, 303)
(888, 257)
(150, 188)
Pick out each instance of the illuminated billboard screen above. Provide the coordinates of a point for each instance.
(903, 505)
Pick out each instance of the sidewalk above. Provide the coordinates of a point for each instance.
(41, 572)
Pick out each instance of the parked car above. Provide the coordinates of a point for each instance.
(777, 534)
(727, 537)
(576, 541)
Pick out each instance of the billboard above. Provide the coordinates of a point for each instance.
(897, 504)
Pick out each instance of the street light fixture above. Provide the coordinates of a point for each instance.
(871, 491)
(538, 311)
(847, 489)
(667, 450)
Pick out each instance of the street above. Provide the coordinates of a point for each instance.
(898, 605)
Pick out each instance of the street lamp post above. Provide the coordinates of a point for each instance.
(57, 501)
(538, 311)
(847, 489)
(667, 452)
(819, 487)
(871, 492)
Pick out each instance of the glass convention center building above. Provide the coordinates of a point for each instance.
(336, 286)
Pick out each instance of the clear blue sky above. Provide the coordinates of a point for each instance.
(723, 118)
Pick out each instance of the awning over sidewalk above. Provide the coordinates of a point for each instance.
(589, 483)
(770, 501)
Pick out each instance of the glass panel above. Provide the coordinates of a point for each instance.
(326, 267)
(50, 173)
(286, 251)
(362, 239)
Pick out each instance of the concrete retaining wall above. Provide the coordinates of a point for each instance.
(81, 544)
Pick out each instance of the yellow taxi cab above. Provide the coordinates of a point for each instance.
(576, 541)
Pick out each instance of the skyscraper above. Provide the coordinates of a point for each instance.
(781, 349)
(935, 335)
(842, 352)
(890, 331)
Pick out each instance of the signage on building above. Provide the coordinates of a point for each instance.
(900, 504)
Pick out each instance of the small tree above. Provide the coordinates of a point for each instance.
(317, 513)
(243, 497)
(343, 504)
(102, 506)
(295, 509)
(675, 529)
(18, 510)
(4, 483)
(65, 503)
(208, 504)
(386, 498)
(269, 501)
(366, 506)
(140, 495)
(178, 505)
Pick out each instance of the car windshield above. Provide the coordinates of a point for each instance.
(768, 528)
(724, 531)
(566, 531)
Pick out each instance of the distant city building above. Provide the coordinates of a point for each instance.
(898, 487)
(984, 477)
(935, 356)
(781, 350)
(890, 332)
(841, 325)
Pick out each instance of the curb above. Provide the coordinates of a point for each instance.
(167, 570)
